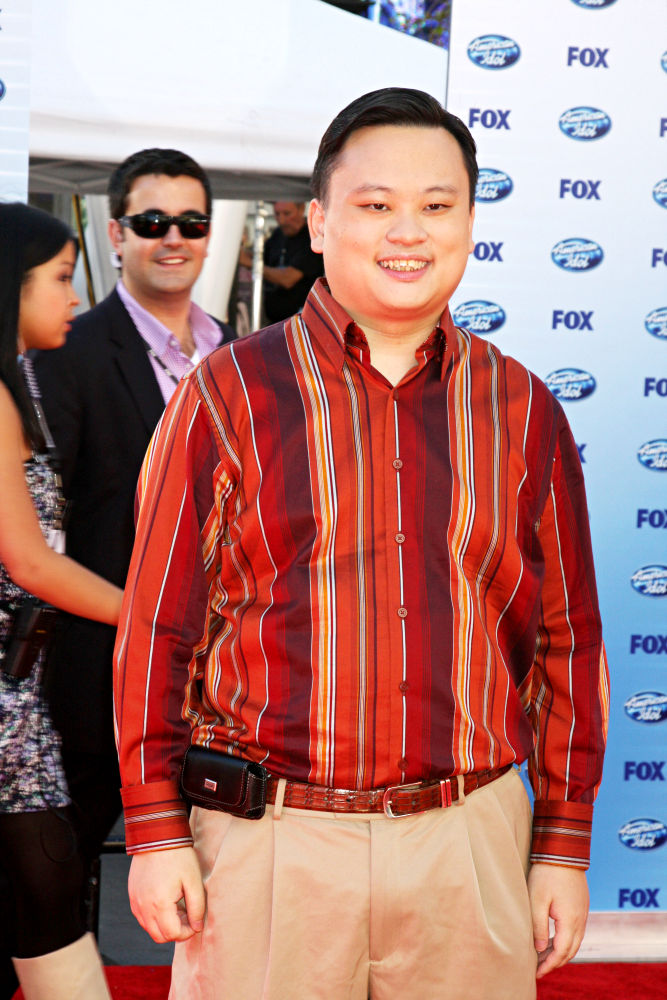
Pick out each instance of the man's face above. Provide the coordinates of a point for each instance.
(396, 229)
(167, 267)
(289, 216)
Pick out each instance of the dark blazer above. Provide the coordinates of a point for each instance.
(102, 402)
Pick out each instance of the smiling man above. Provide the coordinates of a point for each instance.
(103, 393)
(363, 576)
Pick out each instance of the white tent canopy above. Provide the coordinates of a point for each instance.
(246, 88)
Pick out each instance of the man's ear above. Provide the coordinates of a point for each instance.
(316, 225)
(471, 242)
(115, 231)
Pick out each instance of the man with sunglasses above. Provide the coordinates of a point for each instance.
(103, 393)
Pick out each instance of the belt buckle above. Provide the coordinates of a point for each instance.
(386, 800)
(445, 793)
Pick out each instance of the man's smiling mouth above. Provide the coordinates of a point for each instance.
(403, 265)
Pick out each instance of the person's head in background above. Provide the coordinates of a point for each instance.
(290, 216)
(37, 258)
(160, 203)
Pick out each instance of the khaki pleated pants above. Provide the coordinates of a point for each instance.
(305, 905)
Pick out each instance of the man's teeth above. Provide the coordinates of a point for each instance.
(403, 265)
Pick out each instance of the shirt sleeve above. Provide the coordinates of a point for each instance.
(570, 690)
(163, 628)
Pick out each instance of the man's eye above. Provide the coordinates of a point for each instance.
(376, 206)
(436, 206)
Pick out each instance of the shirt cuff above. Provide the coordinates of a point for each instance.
(562, 833)
(156, 817)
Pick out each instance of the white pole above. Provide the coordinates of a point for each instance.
(258, 265)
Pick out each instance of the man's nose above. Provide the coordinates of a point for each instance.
(406, 228)
(173, 236)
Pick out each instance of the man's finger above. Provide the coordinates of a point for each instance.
(562, 948)
(540, 911)
(567, 941)
(195, 904)
(550, 958)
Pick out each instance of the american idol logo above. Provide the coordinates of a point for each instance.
(594, 4)
(653, 454)
(577, 254)
(493, 185)
(647, 706)
(643, 834)
(570, 384)
(663, 61)
(656, 322)
(3, 90)
(660, 193)
(650, 581)
(493, 52)
(479, 316)
(584, 123)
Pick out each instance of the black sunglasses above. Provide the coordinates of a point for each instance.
(155, 225)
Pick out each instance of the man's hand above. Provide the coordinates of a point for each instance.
(562, 894)
(167, 893)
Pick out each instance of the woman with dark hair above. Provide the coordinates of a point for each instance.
(52, 954)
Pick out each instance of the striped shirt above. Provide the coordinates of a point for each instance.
(360, 585)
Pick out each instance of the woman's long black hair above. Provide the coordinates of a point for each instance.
(28, 238)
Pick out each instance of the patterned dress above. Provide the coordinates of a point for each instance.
(31, 772)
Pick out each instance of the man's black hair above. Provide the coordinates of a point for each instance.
(390, 106)
(171, 162)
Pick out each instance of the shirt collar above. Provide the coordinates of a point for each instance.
(336, 331)
(205, 331)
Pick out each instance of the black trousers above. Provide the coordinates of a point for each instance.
(46, 862)
(45, 874)
(8, 980)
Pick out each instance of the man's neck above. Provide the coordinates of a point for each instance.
(173, 312)
(393, 355)
(293, 236)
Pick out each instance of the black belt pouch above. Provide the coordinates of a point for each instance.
(219, 781)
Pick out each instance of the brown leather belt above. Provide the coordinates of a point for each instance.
(395, 800)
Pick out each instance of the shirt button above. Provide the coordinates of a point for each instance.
(399, 537)
(397, 463)
(403, 686)
(402, 612)
(403, 764)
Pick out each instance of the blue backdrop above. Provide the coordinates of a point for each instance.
(568, 104)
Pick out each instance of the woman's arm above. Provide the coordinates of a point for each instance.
(24, 552)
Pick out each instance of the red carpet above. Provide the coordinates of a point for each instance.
(589, 981)
(134, 982)
(139, 982)
(605, 981)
